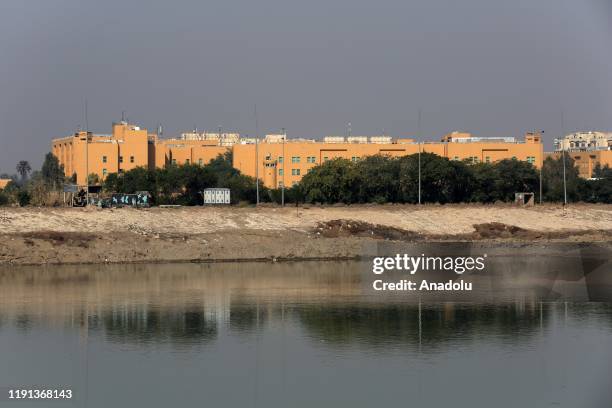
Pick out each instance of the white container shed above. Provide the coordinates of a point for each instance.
(216, 196)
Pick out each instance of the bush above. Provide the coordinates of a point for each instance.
(23, 198)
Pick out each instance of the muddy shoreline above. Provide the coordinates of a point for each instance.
(247, 246)
(89, 236)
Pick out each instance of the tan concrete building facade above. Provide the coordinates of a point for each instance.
(286, 163)
(128, 147)
(277, 160)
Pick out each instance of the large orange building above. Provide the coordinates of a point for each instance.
(286, 162)
(276, 160)
(129, 146)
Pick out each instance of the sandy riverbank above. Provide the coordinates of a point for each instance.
(71, 235)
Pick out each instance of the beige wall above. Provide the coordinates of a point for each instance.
(130, 146)
(274, 169)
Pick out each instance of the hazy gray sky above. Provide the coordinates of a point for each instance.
(492, 67)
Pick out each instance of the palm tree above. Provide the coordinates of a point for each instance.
(23, 168)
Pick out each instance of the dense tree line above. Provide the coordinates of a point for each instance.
(374, 179)
(381, 179)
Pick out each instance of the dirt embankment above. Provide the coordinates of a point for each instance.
(66, 235)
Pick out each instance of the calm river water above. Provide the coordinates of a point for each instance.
(297, 335)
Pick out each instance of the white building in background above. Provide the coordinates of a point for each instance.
(585, 141)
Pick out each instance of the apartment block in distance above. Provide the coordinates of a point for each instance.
(282, 161)
(587, 149)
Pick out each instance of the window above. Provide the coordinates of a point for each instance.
(174, 161)
(280, 159)
(311, 159)
(488, 159)
(120, 159)
(355, 158)
(200, 162)
(131, 159)
(268, 157)
(187, 161)
(295, 159)
(295, 172)
(104, 172)
(280, 172)
(530, 159)
(325, 158)
(513, 157)
(280, 183)
(456, 158)
(103, 159)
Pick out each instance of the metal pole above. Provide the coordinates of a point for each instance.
(86, 156)
(564, 180)
(284, 161)
(419, 142)
(419, 172)
(563, 156)
(256, 157)
(541, 166)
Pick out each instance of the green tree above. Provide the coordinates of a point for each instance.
(376, 179)
(23, 169)
(331, 182)
(552, 177)
(52, 172)
(442, 181)
(514, 176)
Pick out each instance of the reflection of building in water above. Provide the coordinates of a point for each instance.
(186, 305)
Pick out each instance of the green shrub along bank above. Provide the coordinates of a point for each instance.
(375, 179)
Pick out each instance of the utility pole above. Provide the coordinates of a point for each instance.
(256, 158)
(419, 172)
(564, 180)
(563, 156)
(541, 166)
(86, 155)
(419, 142)
(284, 161)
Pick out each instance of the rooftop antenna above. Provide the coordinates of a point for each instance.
(348, 129)
(122, 116)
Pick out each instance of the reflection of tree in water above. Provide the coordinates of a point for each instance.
(399, 324)
(247, 318)
(143, 324)
(23, 322)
